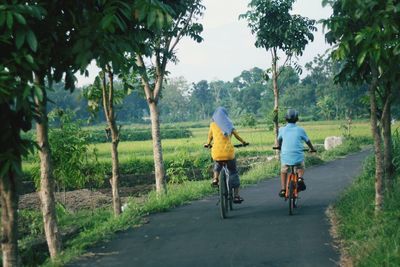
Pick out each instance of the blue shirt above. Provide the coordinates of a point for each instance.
(292, 138)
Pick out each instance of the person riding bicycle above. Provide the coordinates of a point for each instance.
(290, 140)
(220, 132)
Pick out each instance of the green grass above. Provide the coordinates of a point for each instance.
(101, 225)
(137, 156)
(369, 240)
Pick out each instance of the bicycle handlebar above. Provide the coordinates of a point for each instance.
(304, 150)
(238, 145)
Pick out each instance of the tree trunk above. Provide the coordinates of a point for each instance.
(115, 168)
(152, 97)
(387, 142)
(276, 95)
(46, 192)
(108, 105)
(9, 219)
(157, 149)
(379, 190)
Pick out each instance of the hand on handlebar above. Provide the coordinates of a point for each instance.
(207, 145)
(276, 147)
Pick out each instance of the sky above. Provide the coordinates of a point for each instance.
(228, 45)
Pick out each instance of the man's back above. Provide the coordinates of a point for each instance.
(292, 138)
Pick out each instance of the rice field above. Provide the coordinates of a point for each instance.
(261, 141)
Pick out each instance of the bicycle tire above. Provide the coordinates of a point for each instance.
(223, 195)
(291, 197)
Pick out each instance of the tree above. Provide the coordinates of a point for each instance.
(125, 28)
(347, 98)
(278, 30)
(18, 42)
(56, 59)
(103, 91)
(368, 44)
(175, 101)
(250, 85)
(202, 100)
(161, 49)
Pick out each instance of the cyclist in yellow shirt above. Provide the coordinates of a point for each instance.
(221, 130)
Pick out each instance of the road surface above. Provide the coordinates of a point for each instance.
(259, 232)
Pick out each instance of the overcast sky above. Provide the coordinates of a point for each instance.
(228, 46)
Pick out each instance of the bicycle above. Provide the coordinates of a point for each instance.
(224, 188)
(292, 193)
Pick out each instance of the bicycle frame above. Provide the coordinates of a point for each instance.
(291, 193)
(291, 189)
(292, 176)
(225, 192)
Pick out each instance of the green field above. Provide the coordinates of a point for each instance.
(261, 141)
(137, 156)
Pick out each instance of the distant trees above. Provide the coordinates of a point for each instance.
(174, 106)
(182, 101)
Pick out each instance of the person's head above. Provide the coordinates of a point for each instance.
(221, 118)
(292, 116)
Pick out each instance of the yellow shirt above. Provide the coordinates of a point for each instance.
(222, 148)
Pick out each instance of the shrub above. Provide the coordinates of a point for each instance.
(131, 134)
(248, 120)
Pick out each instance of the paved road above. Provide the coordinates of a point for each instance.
(259, 232)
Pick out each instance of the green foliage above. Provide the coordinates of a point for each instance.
(368, 239)
(177, 170)
(276, 28)
(325, 106)
(18, 44)
(248, 120)
(132, 134)
(271, 116)
(362, 44)
(72, 157)
(30, 223)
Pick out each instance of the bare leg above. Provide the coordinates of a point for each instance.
(236, 191)
(215, 176)
(283, 180)
(300, 172)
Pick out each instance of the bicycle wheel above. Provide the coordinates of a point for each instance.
(291, 197)
(223, 195)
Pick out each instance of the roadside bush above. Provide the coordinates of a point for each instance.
(72, 157)
(369, 239)
(248, 120)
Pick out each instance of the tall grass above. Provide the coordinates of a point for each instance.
(369, 240)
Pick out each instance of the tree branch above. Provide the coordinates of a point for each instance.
(144, 78)
(105, 99)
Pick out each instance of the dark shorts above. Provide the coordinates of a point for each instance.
(234, 179)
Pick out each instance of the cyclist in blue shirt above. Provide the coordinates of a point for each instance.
(291, 138)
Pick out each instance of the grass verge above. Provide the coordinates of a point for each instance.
(105, 226)
(366, 239)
